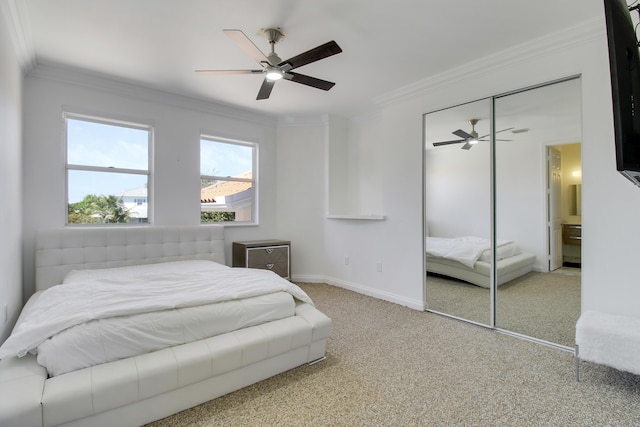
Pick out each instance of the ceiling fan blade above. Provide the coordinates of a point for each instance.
(265, 89)
(467, 146)
(247, 45)
(309, 81)
(462, 134)
(313, 55)
(456, 141)
(503, 130)
(230, 71)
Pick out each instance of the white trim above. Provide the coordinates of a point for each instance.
(302, 121)
(208, 136)
(106, 118)
(108, 121)
(15, 14)
(142, 91)
(381, 295)
(107, 169)
(371, 217)
(567, 39)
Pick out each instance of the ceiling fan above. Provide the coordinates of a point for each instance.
(275, 68)
(469, 139)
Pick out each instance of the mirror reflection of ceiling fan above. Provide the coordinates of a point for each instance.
(274, 68)
(469, 139)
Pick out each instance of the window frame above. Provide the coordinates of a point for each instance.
(102, 119)
(254, 177)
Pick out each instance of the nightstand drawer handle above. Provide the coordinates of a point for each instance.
(270, 266)
(269, 250)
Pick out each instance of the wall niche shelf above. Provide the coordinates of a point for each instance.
(358, 217)
(355, 165)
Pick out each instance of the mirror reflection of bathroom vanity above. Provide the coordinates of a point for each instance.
(571, 245)
(572, 225)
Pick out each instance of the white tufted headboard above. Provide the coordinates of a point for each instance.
(62, 250)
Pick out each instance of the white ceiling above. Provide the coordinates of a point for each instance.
(386, 44)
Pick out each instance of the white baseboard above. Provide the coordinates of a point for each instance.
(375, 293)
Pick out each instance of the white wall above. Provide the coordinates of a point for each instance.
(301, 194)
(610, 203)
(392, 245)
(177, 125)
(10, 182)
(365, 168)
(520, 197)
(458, 191)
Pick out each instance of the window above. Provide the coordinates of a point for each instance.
(107, 170)
(227, 180)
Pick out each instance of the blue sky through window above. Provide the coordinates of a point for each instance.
(225, 159)
(104, 145)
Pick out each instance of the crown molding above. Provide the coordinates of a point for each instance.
(17, 23)
(289, 121)
(366, 117)
(319, 120)
(138, 91)
(571, 37)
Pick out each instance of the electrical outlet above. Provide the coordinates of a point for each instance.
(379, 267)
(346, 260)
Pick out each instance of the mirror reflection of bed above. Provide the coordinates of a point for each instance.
(536, 202)
(456, 266)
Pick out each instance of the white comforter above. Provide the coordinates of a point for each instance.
(466, 250)
(133, 290)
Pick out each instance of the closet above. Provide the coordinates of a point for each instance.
(500, 179)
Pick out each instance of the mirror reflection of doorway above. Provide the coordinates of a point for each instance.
(554, 207)
(564, 206)
(525, 231)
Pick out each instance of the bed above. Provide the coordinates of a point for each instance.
(162, 367)
(469, 259)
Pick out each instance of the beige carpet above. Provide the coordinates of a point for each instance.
(389, 365)
(540, 305)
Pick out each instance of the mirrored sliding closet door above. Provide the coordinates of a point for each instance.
(537, 173)
(458, 211)
(502, 211)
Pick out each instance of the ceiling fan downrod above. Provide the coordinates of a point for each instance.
(274, 35)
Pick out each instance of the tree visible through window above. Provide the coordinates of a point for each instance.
(227, 180)
(107, 170)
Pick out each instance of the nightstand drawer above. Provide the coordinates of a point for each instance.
(275, 258)
(274, 255)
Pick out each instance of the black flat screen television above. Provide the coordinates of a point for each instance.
(624, 63)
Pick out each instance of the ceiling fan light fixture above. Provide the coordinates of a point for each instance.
(274, 73)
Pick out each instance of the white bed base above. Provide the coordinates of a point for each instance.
(141, 389)
(507, 269)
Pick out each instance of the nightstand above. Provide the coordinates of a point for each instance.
(274, 255)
